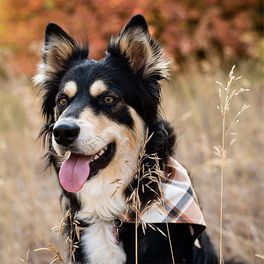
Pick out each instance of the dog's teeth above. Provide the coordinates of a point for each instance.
(101, 152)
(96, 157)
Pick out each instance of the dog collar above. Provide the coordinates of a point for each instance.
(178, 203)
(117, 224)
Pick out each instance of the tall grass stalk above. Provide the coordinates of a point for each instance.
(226, 95)
(134, 198)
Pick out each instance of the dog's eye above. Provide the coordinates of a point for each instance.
(108, 100)
(62, 102)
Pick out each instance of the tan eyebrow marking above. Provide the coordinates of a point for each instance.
(97, 88)
(70, 89)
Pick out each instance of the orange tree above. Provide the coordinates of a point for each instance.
(188, 29)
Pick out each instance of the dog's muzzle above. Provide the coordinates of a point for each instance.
(65, 133)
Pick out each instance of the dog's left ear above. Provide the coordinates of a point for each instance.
(144, 54)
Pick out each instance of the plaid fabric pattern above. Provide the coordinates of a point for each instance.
(179, 203)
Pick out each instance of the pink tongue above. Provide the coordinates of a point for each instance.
(74, 172)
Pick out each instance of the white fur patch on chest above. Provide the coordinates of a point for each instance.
(99, 245)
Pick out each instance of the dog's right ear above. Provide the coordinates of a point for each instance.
(59, 51)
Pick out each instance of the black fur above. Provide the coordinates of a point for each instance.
(158, 251)
(154, 248)
(132, 86)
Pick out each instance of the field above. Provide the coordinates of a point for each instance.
(30, 197)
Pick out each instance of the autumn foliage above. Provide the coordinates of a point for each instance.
(188, 29)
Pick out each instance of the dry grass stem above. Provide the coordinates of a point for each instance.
(26, 260)
(56, 254)
(74, 230)
(70, 225)
(226, 95)
(148, 176)
(259, 256)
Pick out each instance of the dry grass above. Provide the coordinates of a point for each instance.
(145, 177)
(227, 94)
(30, 199)
(199, 125)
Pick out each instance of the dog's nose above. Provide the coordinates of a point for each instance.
(65, 133)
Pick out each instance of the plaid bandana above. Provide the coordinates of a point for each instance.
(179, 205)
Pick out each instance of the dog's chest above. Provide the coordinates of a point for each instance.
(99, 245)
(98, 241)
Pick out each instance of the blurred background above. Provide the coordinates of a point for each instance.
(203, 39)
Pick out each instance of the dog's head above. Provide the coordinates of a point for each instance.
(97, 112)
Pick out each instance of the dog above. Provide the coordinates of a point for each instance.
(112, 152)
